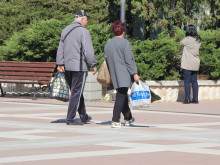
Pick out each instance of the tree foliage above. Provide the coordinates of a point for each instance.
(38, 42)
(15, 15)
(164, 14)
(210, 53)
(158, 59)
(30, 31)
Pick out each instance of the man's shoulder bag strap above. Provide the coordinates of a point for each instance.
(70, 32)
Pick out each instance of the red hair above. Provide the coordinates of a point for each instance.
(118, 28)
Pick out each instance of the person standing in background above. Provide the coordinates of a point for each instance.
(190, 63)
(122, 68)
(75, 56)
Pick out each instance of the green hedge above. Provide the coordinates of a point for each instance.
(210, 53)
(36, 43)
(100, 34)
(156, 60)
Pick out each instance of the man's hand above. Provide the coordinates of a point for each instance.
(94, 70)
(61, 68)
(136, 78)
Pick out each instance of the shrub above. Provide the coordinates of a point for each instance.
(210, 53)
(100, 34)
(38, 42)
(157, 59)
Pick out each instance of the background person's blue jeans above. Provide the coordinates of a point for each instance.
(190, 77)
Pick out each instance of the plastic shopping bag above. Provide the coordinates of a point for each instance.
(140, 95)
(59, 88)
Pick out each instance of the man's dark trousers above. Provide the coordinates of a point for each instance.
(76, 81)
(121, 105)
(190, 77)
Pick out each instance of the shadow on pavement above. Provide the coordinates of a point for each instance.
(154, 97)
(134, 125)
(123, 124)
(103, 123)
(59, 121)
(64, 121)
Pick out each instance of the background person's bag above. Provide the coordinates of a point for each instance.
(103, 76)
(59, 88)
(140, 95)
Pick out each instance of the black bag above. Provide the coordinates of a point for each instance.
(59, 88)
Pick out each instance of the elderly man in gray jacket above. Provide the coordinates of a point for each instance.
(75, 56)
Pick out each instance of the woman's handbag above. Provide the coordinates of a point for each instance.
(103, 76)
(59, 88)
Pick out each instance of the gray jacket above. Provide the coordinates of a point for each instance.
(75, 49)
(120, 60)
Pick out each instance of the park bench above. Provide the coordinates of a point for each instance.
(27, 73)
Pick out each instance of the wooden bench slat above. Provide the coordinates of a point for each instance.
(26, 74)
(24, 78)
(28, 64)
(25, 82)
(26, 69)
(25, 62)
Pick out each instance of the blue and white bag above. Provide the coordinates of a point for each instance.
(59, 88)
(140, 95)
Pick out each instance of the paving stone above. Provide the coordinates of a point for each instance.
(35, 133)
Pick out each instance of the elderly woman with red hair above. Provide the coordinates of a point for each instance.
(123, 71)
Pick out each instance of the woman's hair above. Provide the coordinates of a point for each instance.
(118, 28)
(191, 31)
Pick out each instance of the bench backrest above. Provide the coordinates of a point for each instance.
(26, 72)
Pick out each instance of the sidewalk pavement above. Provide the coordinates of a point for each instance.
(33, 132)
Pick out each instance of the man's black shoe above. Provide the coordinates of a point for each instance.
(194, 102)
(75, 123)
(88, 120)
(186, 102)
